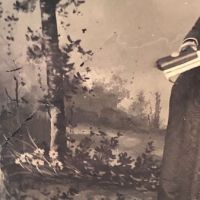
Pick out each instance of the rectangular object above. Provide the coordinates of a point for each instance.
(172, 66)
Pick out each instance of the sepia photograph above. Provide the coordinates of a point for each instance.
(99, 100)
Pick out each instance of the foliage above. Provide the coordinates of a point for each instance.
(60, 69)
(95, 158)
(146, 114)
(147, 168)
(37, 160)
(139, 106)
(24, 5)
(73, 78)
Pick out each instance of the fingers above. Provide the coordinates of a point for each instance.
(188, 44)
(175, 54)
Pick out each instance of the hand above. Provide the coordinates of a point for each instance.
(187, 44)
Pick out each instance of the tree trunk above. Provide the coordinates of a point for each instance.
(156, 121)
(54, 75)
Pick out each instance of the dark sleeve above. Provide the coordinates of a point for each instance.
(194, 33)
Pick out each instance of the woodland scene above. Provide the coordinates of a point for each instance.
(80, 118)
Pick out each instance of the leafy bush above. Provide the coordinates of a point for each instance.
(147, 168)
(95, 158)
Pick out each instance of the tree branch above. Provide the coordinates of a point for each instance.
(7, 139)
(7, 94)
(16, 90)
(14, 70)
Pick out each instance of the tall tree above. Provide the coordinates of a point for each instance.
(57, 61)
(54, 63)
(156, 117)
(140, 105)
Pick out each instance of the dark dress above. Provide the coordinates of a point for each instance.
(180, 174)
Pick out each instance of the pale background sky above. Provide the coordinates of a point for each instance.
(127, 37)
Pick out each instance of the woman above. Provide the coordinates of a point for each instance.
(180, 174)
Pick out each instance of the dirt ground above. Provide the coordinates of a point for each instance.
(49, 192)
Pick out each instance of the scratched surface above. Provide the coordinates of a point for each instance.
(127, 36)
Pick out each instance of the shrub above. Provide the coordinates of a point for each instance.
(95, 158)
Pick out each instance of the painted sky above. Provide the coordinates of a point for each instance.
(127, 37)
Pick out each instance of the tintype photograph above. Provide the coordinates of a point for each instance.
(99, 100)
